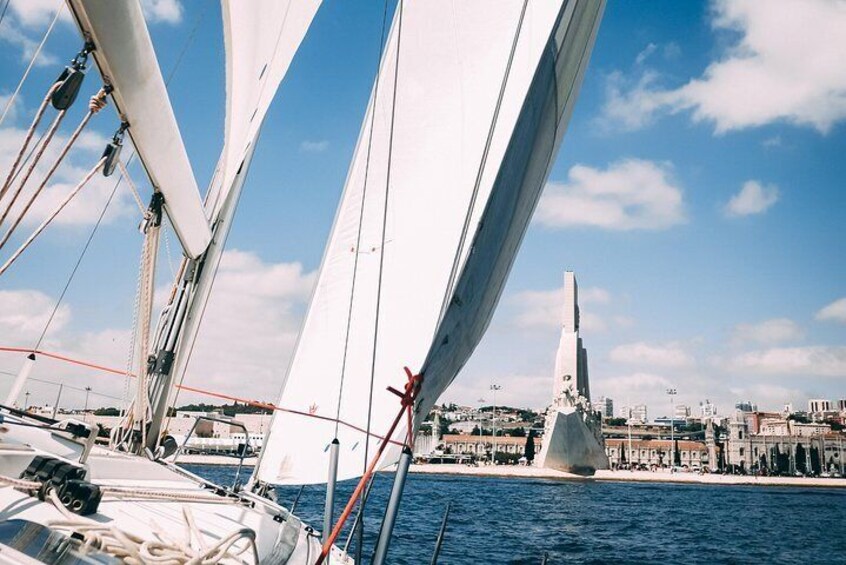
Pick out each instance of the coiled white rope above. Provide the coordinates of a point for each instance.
(165, 549)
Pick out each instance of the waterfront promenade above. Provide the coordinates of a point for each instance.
(523, 472)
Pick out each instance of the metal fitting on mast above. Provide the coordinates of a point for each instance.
(112, 151)
(71, 79)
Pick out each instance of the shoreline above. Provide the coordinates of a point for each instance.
(521, 472)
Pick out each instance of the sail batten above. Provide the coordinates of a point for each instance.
(454, 56)
(126, 59)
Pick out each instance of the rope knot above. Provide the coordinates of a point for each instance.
(98, 101)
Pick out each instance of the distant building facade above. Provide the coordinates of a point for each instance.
(605, 406)
(483, 446)
(816, 405)
(655, 453)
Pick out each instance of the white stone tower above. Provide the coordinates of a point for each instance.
(571, 367)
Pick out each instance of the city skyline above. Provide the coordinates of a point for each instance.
(706, 228)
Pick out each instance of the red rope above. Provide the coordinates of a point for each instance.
(407, 398)
(219, 395)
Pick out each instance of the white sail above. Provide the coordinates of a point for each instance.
(124, 53)
(453, 57)
(261, 38)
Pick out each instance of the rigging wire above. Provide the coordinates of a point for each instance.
(485, 152)
(176, 66)
(361, 216)
(384, 228)
(97, 103)
(52, 216)
(362, 504)
(32, 61)
(3, 13)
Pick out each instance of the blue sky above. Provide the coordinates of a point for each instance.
(698, 196)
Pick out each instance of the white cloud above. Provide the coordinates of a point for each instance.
(250, 326)
(777, 330)
(753, 198)
(164, 11)
(38, 13)
(635, 382)
(670, 355)
(245, 341)
(23, 315)
(836, 312)
(628, 195)
(314, 146)
(86, 207)
(544, 308)
(787, 65)
(817, 360)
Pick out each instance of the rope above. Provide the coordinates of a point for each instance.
(472, 204)
(132, 187)
(407, 400)
(97, 103)
(19, 483)
(361, 218)
(52, 216)
(29, 67)
(187, 388)
(165, 549)
(13, 172)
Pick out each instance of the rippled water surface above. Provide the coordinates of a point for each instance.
(516, 520)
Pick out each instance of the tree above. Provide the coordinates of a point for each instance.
(107, 412)
(529, 451)
(616, 421)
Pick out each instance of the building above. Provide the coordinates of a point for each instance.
(638, 414)
(653, 453)
(605, 406)
(681, 412)
(777, 445)
(817, 405)
(746, 406)
(841, 405)
(482, 446)
(707, 410)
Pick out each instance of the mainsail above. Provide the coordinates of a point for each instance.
(124, 53)
(466, 115)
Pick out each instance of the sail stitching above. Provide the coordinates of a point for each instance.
(485, 152)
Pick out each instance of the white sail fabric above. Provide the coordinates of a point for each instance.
(452, 60)
(124, 53)
(261, 38)
(522, 174)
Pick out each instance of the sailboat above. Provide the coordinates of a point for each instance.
(466, 115)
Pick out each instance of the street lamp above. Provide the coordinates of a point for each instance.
(85, 410)
(494, 388)
(671, 392)
(481, 438)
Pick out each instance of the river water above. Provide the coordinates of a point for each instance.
(516, 521)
